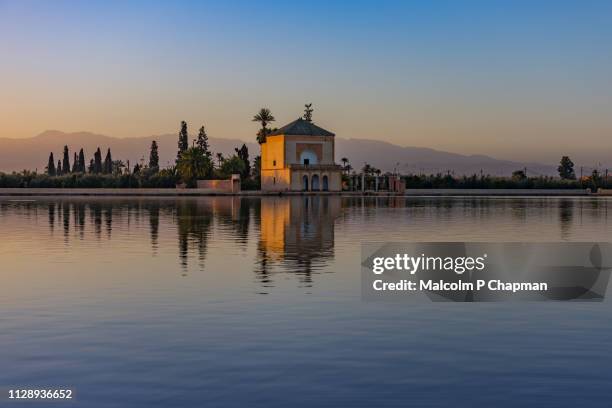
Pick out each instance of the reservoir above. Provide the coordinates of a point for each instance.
(235, 301)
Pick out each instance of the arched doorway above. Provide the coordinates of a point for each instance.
(315, 183)
(325, 183)
(305, 183)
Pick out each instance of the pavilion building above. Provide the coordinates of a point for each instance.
(299, 157)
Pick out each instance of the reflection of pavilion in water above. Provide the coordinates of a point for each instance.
(297, 235)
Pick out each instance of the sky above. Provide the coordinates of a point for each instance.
(521, 80)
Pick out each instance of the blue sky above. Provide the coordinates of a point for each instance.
(517, 79)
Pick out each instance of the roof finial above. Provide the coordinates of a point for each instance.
(308, 112)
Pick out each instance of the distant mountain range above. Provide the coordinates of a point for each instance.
(33, 153)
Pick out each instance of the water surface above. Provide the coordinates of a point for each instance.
(233, 302)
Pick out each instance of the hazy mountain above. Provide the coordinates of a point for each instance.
(32, 153)
(387, 156)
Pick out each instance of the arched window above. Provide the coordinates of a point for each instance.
(325, 184)
(308, 157)
(305, 183)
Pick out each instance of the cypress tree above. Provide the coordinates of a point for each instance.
(108, 163)
(58, 169)
(97, 167)
(66, 161)
(51, 165)
(75, 164)
(202, 142)
(154, 157)
(81, 161)
(243, 154)
(92, 166)
(183, 140)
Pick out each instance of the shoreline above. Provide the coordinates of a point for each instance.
(171, 192)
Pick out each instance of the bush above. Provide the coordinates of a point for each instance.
(250, 184)
(79, 180)
(487, 181)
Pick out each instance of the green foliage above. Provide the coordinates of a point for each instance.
(66, 161)
(243, 154)
(107, 168)
(202, 142)
(250, 184)
(117, 167)
(566, 169)
(81, 161)
(97, 162)
(232, 165)
(219, 159)
(194, 164)
(183, 140)
(487, 181)
(519, 175)
(51, 165)
(154, 157)
(264, 117)
(80, 180)
(256, 173)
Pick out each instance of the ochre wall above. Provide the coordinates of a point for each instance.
(275, 180)
(273, 150)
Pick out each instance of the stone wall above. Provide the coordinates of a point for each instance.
(221, 186)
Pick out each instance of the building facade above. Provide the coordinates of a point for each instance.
(300, 157)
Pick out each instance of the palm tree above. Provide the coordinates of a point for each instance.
(219, 159)
(264, 116)
(344, 161)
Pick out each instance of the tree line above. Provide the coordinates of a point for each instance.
(96, 165)
(194, 160)
(567, 179)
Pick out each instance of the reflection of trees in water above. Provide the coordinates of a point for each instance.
(194, 222)
(296, 236)
(81, 210)
(234, 214)
(566, 216)
(108, 219)
(51, 215)
(95, 214)
(65, 208)
(154, 225)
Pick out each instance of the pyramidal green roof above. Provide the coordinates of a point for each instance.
(301, 127)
